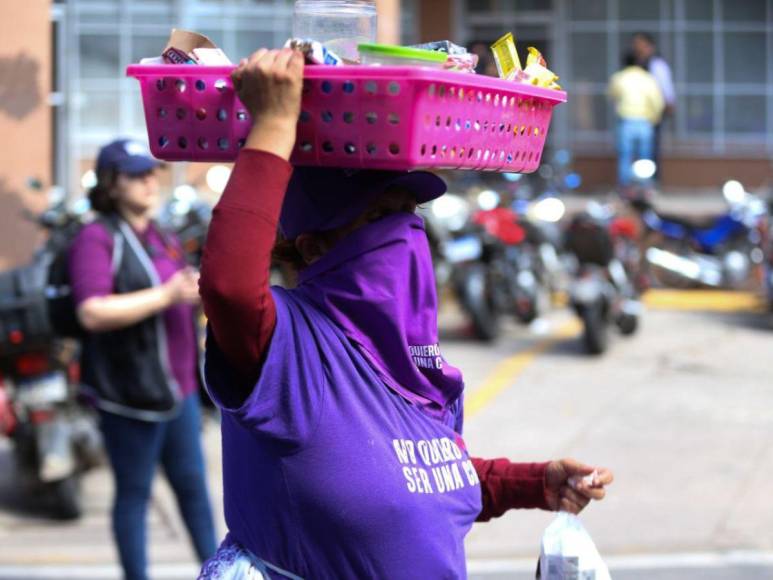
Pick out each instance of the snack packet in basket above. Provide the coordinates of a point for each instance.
(211, 56)
(462, 62)
(535, 56)
(314, 52)
(441, 46)
(174, 55)
(187, 40)
(506, 56)
(540, 76)
(538, 72)
(568, 552)
(188, 47)
(459, 60)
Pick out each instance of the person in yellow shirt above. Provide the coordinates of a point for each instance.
(639, 105)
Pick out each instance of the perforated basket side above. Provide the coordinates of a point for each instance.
(375, 117)
(193, 116)
(356, 121)
(475, 128)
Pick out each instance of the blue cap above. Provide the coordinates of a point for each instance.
(320, 199)
(126, 156)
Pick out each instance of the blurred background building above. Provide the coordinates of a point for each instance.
(63, 90)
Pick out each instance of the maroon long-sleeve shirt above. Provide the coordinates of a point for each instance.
(235, 292)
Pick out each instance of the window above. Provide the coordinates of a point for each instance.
(588, 10)
(590, 112)
(699, 10)
(752, 11)
(745, 114)
(699, 53)
(699, 113)
(110, 34)
(248, 41)
(147, 45)
(99, 56)
(638, 10)
(99, 110)
(590, 62)
(745, 57)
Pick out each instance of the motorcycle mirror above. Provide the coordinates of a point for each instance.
(644, 169)
(488, 199)
(550, 209)
(733, 191)
(451, 210)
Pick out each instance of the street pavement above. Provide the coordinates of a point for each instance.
(682, 413)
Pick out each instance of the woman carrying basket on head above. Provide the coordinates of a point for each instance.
(342, 447)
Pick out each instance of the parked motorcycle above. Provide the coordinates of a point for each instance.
(541, 218)
(718, 251)
(462, 255)
(602, 292)
(55, 439)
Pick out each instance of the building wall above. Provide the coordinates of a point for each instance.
(681, 173)
(25, 124)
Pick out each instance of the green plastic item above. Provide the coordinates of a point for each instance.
(392, 51)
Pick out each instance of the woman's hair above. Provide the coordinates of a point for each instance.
(101, 196)
(629, 59)
(286, 252)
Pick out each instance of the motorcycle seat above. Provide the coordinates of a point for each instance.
(700, 222)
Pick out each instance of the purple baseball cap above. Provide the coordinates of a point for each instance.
(126, 156)
(320, 199)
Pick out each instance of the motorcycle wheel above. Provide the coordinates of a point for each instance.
(476, 297)
(66, 498)
(628, 324)
(595, 335)
(526, 312)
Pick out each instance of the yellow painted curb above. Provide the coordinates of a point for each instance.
(703, 300)
(505, 374)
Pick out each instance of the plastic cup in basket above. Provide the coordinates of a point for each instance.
(377, 117)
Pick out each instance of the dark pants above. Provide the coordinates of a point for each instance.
(135, 449)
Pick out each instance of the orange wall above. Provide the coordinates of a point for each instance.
(25, 123)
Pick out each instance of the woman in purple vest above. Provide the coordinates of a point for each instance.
(136, 301)
(342, 449)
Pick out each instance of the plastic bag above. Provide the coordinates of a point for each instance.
(568, 552)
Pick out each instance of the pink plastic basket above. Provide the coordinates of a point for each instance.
(357, 116)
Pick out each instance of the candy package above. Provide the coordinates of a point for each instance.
(459, 60)
(314, 52)
(509, 65)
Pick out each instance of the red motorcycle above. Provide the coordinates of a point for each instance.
(54, 437)
(516, 265)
